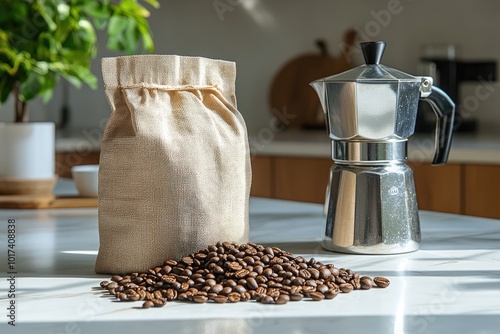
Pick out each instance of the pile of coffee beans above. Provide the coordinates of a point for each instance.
(228, 272)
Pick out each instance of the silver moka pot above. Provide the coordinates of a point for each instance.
(371, 110)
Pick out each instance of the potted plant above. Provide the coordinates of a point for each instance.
(42, 41)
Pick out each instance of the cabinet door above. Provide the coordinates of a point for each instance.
(438, 187)
(482, 190)
(301, 179)
(261, 176)
(66, 160)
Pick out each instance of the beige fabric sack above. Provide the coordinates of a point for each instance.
(174, 171)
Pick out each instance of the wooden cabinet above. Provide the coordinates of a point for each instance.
(439, 188)
(453, 188)
(296, 179)
(66, 160)
(482, 190)
(261, 177)
(301, 179)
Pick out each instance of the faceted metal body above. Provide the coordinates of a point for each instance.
(371, 210)
(370, 102)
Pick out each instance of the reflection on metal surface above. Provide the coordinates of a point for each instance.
(372, 210)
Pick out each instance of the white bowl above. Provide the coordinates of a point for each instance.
(86, 179)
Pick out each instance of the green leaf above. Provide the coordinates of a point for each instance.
(117, 24)
(97, 9)
(62, 11)
(47, 13)
(153, 3)
(131, 37)
(43, 40)
(32, 86)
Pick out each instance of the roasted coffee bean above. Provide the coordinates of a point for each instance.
(277, 268)
(314, 273)
(229, 272)
(346, 287)
(217, 288)
(116, 278)
(305, 274)
(261, 279)
(317, 296)
(322, 288)
(142, 294)
(252, 283)
(335, 271)
(311, 282)
(258, 268)
(366, 283)
(134, 297)
(267, 300)
(356, 284)
(183, 297)
(112, 285)
(331, 293)
(299, 281)
(234, 297)
(157, 294)
(123, 296)
(218, 270)
(325, 273)
(166, 270)
(283, 299)
(158, 302)
(307, 288)
(220, 299)
(245, 296)
(239, 289)
(268, 272)
(200, 299)
(261, 290)
(148, 304)
(381, 282)
(226, 291)
(231, 283)
(235, 266)
(125, 280)
(241, 273)
(210, 282)
(184, 287)
(265, 259)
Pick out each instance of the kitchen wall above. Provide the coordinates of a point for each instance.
(260, 36)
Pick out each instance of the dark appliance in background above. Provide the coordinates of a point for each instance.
(449, 74)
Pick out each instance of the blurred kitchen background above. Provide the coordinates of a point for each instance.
(261, 36)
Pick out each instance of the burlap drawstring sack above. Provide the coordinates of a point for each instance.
(174, 171)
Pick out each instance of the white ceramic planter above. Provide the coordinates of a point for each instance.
(27, 151)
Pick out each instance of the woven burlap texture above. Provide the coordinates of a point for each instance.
(174, 171)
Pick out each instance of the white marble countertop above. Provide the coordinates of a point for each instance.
(451, 285)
